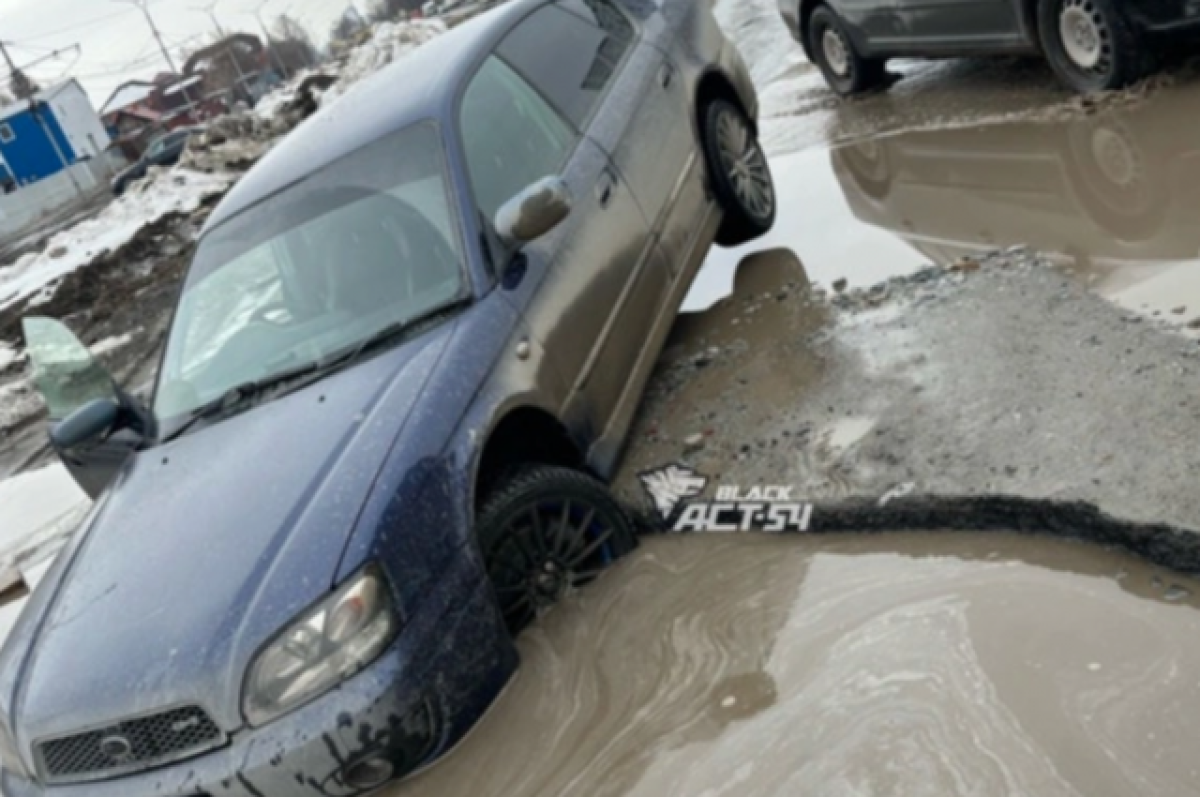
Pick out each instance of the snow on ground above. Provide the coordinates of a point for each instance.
(8, 355)
(390, 42)
(270, 105)
(38, 511)
(33, 506)
(111, 344)
(178, 191)
(18, 400)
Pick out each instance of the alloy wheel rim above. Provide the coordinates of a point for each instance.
(837, 55)
(544, 552)
(1085, 36)
(746, 165)
(1118, 162)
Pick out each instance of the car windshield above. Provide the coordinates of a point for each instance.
(364, 244)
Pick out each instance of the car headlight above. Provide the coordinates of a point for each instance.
(327, 645)
(10, 759)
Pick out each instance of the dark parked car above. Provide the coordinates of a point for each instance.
(1092, 45)
(163, 151)
(404, 359)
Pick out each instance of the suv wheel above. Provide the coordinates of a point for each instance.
(1090, 44)
(739, 172)
(544, 532)
(846, 72)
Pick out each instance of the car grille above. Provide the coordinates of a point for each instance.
(129, 746)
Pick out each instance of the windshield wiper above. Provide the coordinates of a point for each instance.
(302, 376)
(238, 395)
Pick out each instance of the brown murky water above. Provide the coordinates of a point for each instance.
(1111, 196)
(900, 665)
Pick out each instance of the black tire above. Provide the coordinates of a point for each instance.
(1120, 57)
(857, 75)
(531, 562)
(741, 177)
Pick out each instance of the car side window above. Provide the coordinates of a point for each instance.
(570, 56)
(511, 136)
(604, 14)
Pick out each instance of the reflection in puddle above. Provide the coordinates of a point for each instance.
(906, 665)
(1112, 197)
(815, 222)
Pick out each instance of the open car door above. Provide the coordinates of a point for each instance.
(68, 378)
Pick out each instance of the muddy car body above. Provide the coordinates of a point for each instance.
(1092, 45)
(326, 524)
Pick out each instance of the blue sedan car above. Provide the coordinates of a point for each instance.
(403, 362)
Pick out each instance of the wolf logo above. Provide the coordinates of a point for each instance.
(668, 486)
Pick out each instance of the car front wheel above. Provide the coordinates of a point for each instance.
(1090, 44)
(740, 175)
(846, 72)
(544, 532)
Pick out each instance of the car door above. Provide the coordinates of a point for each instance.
(955, 24)
(67, 376)
(637, 110)
(594, 274)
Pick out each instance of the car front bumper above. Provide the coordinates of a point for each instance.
(402, 712)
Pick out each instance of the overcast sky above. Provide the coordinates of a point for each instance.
(116, 41)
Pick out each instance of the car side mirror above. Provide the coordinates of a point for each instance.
(91, 423)
(533, 212)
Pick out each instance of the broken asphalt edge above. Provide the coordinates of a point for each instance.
(1161, 544)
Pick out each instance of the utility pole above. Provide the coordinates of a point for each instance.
(211, 10)
(144, 6)
(257, 12)
(37, 106)
(12, 68)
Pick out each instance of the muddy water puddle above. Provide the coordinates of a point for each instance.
(816, 222)
(1112, 197)
(910, 664)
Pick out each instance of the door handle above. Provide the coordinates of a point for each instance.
(666, 75)
(606, 187)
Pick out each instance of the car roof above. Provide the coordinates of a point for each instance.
(417, 87)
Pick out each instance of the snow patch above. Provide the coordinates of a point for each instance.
(36, 275)
(8, 355)
(35, 504)
(390, 42)
(111, 344)
(18, 400)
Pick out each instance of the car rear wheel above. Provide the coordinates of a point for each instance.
(544, 532)
(740, 175)
(1090, 44)
(846, 72)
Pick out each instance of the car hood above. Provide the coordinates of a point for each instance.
(207, 546)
